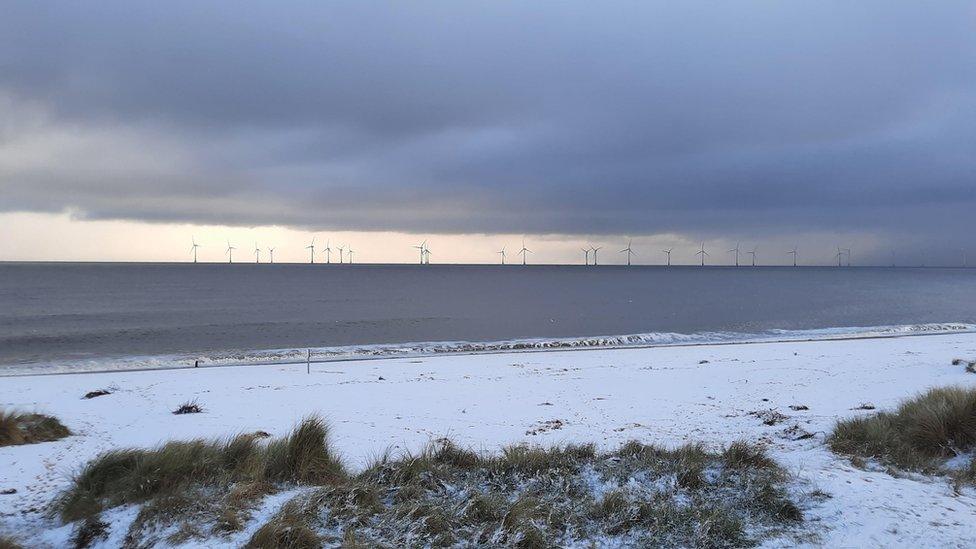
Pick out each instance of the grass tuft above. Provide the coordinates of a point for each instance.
(135, 476)
(189, 407)
(17, 429)
(919, 435)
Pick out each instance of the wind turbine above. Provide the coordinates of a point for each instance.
(629, 251)
(595, 250)
(702, 253)
(257, 253)
(848, 250)
(193, 248)
(668, 251)
(753, 254)
(524, 251)
(586, 258)
(271, 253)
(328, 253)
(793, 253)
(340, 248)
(350, 254)
(736, 250)
(311, 251)
(502, 254)
(422, 247)
(230, 252)
(839, 256)
(426, 253)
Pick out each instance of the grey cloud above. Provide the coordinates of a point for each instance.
(733, 118)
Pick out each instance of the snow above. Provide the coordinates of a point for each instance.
(663, 395)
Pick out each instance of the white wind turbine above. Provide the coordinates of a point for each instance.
(230, 252)
(271, 254)
(328, 253)
(426, 253)
(257, 253)
(586, 258)
(848, 250)
(793, 253)
(524, 251)
(311, 251)
(350, 252)
(595, 250)
(702, 253)
(193, 248)
(753, 254)
(668, 251)
(502, 254)
(422, 248)
(340, 248)
(629, 251)
(839, 256)
(736, 250)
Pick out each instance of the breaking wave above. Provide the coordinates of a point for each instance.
(272, 357)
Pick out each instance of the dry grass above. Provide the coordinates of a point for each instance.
(189, 407)
(136, 476)
(918, 436)
(16, 429)
(7, 542)
(545, 497)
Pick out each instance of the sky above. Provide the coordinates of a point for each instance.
(129, 127)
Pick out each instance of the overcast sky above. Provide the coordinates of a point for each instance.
(769, 122)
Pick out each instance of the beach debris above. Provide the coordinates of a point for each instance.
(703, 362)
(545, 427)
(864, 406)
(96, 393)
(190, 407)
(8, 491)
(382, 378)
(770, 416)
(795, 432)
(545, 404)
(971, 367)
(799, 407)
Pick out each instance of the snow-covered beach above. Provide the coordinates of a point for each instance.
(785, 395)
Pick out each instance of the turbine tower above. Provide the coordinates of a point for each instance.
(595, 250)
(422, 247)
(502, 254)
(586, 258)
(848, 252)
(230, 252)
(193, 248)
(629, 251)
(668, 251)
(702, 253)
(328, 253)
(839, 256)
(426, 253)
(736, 251)
(271, 253)
(753, 254)
(350, 252)
(524, 251)
(257, 253)
(340, 248)
(793, 253)
(311, 251)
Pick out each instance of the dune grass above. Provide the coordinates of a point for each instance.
(920, 435)
(7, 542)
(523, 496)
(16, 429)
(135, 476)
(546, 497)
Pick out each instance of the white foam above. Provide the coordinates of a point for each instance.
(259, 357)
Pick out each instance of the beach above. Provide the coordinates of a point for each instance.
(785, 395)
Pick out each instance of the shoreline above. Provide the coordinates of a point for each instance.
(870, 332)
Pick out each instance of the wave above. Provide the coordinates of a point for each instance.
(272, 357)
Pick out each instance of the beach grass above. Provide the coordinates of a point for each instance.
(521, 496)
(920, 435)
(17, 428)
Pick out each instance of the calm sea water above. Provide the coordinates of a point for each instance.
(76, 311)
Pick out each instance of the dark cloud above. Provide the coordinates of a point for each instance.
(731, 118)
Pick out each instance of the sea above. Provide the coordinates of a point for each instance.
(69, 317)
